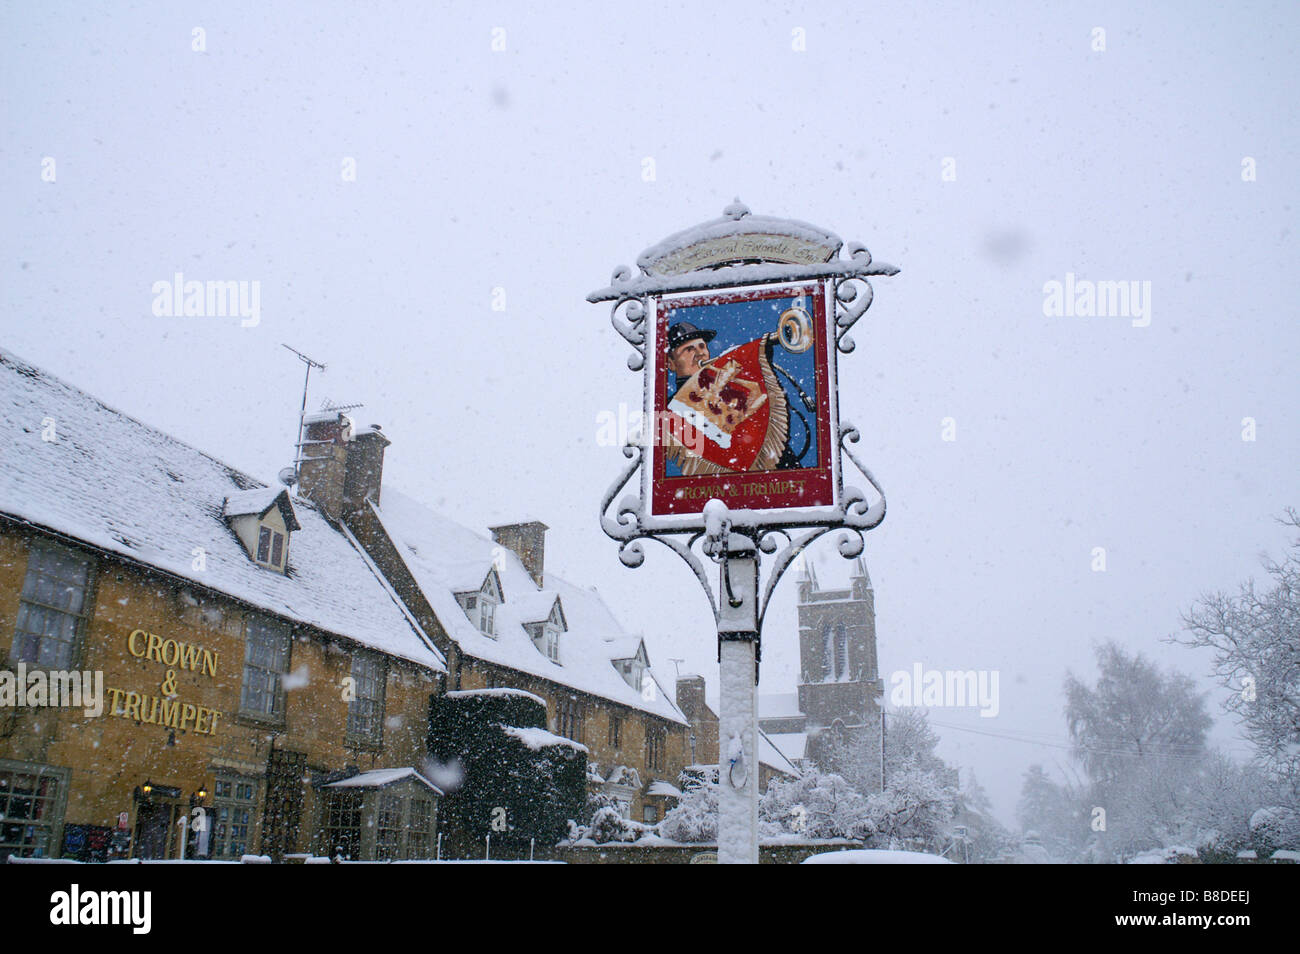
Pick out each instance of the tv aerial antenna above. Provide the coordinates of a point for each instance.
(289, 475)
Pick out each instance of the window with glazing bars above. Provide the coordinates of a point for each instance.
(266, 660)
(343, 823)
(29, 812)
(420, 833)
(654, 745)
(53, 607)
(388, 833)
(366, 708)
(569, 712)
(233, 803)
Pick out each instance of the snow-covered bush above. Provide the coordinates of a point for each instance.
(1275, 827)
(916, 809)
(817, 805)
(695, 816)
(603, 822)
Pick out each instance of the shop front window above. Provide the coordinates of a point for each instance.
(420, 833)
(343, 824)
(31, 809)
(234, 802)
(388, 833)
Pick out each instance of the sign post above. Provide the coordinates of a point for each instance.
(737, 326)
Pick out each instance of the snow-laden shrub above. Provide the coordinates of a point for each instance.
(916, 809)
(603, 822)
(695, 816)
(815, 806)
(1273, 828)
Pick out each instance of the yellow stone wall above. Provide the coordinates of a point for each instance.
(109, 756)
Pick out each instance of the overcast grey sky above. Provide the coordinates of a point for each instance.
(524, 169)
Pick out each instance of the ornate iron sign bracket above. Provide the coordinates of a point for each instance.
(783, 534)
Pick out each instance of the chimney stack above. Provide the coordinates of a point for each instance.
(364, 474)
(340, 465)
(690, 697)
(528, 542)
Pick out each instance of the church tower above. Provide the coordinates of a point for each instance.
(839, 676)
(840, 691)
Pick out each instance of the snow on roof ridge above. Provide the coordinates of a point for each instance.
(789, 765)
(392, 594)
(255, 500)
(171, 438)
(584, 661)
(139, 516)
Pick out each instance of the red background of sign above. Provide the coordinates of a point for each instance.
(819, 483)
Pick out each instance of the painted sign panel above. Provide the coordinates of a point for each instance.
(741, 400)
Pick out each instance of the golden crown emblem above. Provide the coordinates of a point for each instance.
(716, 401)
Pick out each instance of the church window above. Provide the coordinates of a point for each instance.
(841, 653)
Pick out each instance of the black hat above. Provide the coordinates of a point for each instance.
(684, 331)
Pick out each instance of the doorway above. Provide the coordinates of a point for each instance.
(153, 829)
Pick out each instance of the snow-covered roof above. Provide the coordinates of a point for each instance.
(535, 606)
(778, 705)
(770, 754)
(123, 487)
(430, 543)
(255, 502)
(258, 501)
(666, 789)
(469, 576)
(624, 647)
(793, 745)
(378, 778)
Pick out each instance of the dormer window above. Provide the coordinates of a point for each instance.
(263, 519)
(546, 633)
(481, 606)
(270, 547)
(633, 668)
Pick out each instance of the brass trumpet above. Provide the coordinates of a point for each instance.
(794, 330)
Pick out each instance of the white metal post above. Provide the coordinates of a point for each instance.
(738, 709)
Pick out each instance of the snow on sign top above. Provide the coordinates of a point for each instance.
(739, 237)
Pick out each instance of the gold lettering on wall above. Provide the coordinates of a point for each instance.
(165, 709)
(172, 652)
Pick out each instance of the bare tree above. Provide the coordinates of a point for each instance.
(1255, 636)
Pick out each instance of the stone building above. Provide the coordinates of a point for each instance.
(267, 658)
(833, 719)
(263, 691)
(502, 621)
(703, 738)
